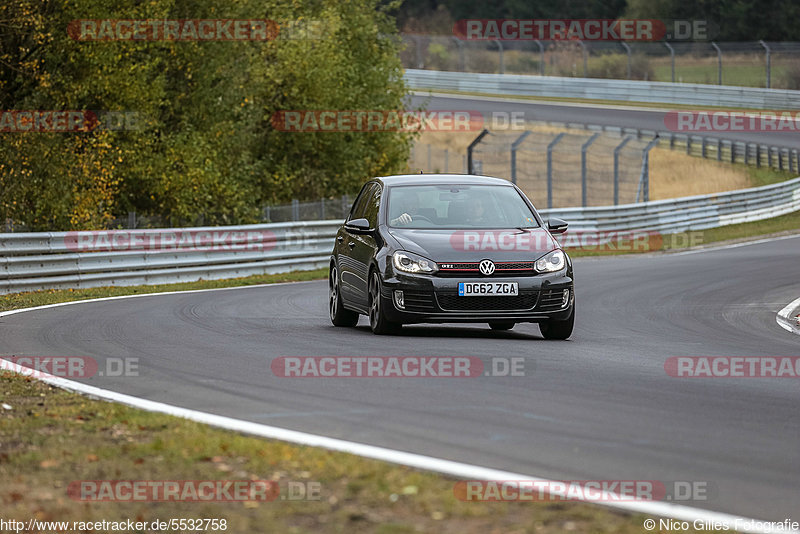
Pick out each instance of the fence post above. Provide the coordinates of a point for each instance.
(628, 51)
(719, 149)
(585, 54)
(322, 209)
(429, 159)
(769, 62)
(345, 211)
(471, 146)
(462, 63)
(703, 147)
(132, 220)
(550, 168)
(514, 147)
(584, 149)
(672, 59)
(616, 167)
(719, 62)
(644, 179)
(500, 49)
(445, 160)
(541, 57)
(295, 210)
(418, 46)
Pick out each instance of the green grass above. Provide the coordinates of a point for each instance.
(51, 438)
(51, 296)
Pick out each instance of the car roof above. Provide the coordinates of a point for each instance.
(440, 179)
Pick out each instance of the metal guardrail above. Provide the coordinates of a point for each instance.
(34, 261)
(602, 89)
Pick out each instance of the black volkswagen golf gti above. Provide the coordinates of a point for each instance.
(449, 248)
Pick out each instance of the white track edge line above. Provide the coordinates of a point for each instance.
(447, 467)
(712, 248)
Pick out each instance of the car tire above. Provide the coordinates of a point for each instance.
(501, 325)
(377, 317)
(339, 315)
(554, 329)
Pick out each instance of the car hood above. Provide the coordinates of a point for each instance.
(475, 245)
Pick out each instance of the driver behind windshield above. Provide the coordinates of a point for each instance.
(405, 205)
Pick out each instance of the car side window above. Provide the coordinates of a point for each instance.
(360, 205)
(372, 206)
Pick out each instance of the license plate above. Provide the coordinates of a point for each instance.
(488, 289)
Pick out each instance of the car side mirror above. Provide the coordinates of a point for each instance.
(358, 226)
(557, 226)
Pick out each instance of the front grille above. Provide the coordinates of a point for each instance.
(526, 300)
(551, 299)
(469, 269)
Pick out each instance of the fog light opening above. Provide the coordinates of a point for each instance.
(398, 299)
(565, 298)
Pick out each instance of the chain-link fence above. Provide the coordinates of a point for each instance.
(568, 169)
(750, 64)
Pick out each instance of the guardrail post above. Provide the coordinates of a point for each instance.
(470, 148)
(758, 155)
(733, 151)
(514, 146)
(703, 146)
(628, 51)
(719, 149)
(769, 62)
(644, 178)
(584, 149)
(719, 62)
(672, 59)
(688, 144)
(541, 57)
(769, 156)
(616, 167)
(550, 168)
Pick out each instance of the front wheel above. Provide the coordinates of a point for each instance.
(339, 316)
(553, 329)
(377, 317)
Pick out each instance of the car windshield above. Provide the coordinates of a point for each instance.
(458, 206)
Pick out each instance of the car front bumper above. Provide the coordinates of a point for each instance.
(434, 299)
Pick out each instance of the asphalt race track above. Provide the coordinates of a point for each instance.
(599, 406)
(649, 118)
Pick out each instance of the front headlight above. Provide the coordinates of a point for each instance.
(413, 263)
(551, 262)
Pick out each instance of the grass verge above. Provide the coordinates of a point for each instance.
(52, 438)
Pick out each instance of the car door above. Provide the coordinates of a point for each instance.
(366, 245)
(352, 271)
